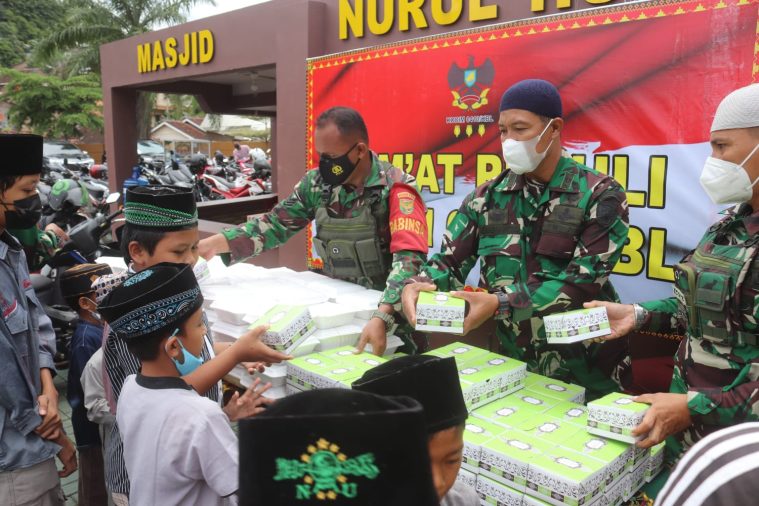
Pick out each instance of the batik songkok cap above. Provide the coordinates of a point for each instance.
(153, 300)
(78, 280)
(103, 285)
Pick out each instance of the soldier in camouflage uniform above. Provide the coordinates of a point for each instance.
(548, 232)
(716, 297)
(370, 221)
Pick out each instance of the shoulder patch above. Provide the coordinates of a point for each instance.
(408, 222)
(608, 209)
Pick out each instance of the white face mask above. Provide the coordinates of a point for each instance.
(727, 182)
(522, 156)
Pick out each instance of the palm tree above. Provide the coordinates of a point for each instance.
(74, 46)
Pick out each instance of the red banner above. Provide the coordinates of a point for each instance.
(638, 81)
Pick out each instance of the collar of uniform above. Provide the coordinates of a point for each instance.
(750, 218)
(377, 177)
(162, 382)
(561, 181)
(510, 182)
(7, 242)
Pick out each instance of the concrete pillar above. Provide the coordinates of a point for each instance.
(120, 111)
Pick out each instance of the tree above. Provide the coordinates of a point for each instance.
(22, 24)
(52, 106)
(75, 44)
(182, 106)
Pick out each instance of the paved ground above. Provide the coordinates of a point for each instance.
(69, 483)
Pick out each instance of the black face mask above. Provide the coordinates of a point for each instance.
(26, 214)
(335, 171)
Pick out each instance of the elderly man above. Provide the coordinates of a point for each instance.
(716, 297)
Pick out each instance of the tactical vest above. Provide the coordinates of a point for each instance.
(555, 236)
(501, 238)
(352, 247)
(708, 291)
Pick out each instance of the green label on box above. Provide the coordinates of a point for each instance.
(576, 414)
(504, 412)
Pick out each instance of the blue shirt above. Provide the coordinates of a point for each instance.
(85, 342)
(27, 344)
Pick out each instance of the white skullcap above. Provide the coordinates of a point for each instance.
(740, 109)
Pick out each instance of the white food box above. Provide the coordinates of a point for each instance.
(364, 302)
(234, 305)
(507, 458)
(344, 335)
(635, 480)
(468, 478)
(239, 376)
(477, 433)
(393, 343)
(288, 326)
(576, 326)
(497, 494)
(655, 461)
(563, 478)
(276, 374)
(615, 416)
(276, 393)
(328, 315)
(227, 333)
(304, 347)
(334, 289)
(440, 312)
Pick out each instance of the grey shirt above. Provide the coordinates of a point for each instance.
(27, 345)
(460, 494)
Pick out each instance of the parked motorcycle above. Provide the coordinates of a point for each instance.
(88, 241)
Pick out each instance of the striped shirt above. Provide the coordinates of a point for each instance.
(119, 364)
(721, 469)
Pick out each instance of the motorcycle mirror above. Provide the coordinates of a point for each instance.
(113, 198)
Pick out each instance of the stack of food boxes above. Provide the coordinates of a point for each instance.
(484, 376)
(336, 368)
(534, 447)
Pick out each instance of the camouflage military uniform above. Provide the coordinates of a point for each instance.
(299, 209)
(549, 248)
(39, 245)
(716, 304)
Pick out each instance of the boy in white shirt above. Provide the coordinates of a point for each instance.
(178, 446)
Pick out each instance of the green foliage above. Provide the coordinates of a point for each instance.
(183, 106)
(22, 24)
(52, 106)
(88, 24)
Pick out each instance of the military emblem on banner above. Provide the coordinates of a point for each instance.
(324, 470)
(470, 87)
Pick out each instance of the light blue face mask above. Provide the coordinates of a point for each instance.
(189, 361)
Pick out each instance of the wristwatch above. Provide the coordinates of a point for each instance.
(504, 307)
(390, 323)
(641, 314)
